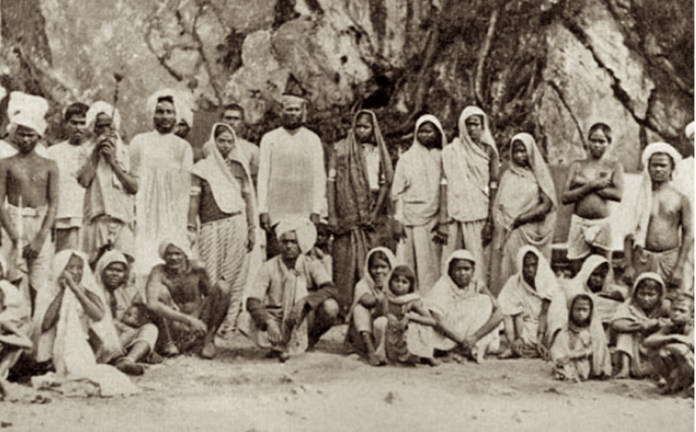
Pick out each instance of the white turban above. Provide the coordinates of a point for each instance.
(176, 97)
(185, 103)
(27, 110)
(101, 107)
(304, 230)
(690, 130)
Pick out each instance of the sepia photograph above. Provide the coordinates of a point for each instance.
(347, 215)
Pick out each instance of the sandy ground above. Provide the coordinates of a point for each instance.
(324, 390)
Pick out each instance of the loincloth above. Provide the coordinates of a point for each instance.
(584, 234)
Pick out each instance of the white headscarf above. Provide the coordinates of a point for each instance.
(689, 131)
(641, 213)
(176, 97)
(27, 110)
(101, 107)
(303, 228)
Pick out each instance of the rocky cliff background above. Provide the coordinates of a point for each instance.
(549, 67)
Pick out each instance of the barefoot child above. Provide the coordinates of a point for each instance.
(672, 347)
(640, 315)
(580, 351)
(404, 304)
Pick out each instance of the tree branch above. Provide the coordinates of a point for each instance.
(483, 53)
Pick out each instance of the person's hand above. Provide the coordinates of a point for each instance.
(197, 326)
(265, 221)
(517, 346)
(333, 223)
(191, 234)
(675, 282)
(649, 324)
(315, 218)
(31, 251)
(274, 335)
(441, 233)
(487, 233)
(251, 239)
(629, 275)
(368, 300)
(515, 223)
(297, 312)
(68, 281)
(543, 351)
(371, 221)
(399, 230)
(469, 341)
(604, 181)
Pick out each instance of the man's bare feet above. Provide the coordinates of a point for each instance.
(430, 361)
(209, 351)
(154, 358)
(4, 389)
(170, 350)
(505, 354)
(624, 373)
(283, 356)
(374, 360)
(128, 366)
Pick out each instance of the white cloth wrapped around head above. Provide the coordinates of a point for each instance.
(101, 107)
(27, 110)
(689, 131)
(304, 230)
(166, 93)
(179, 243)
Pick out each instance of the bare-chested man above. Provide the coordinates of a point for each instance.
(29, 183)
(591, 184)
(662, 233)
(186, 306)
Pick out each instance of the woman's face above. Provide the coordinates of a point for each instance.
(596, 280)
(363, 128)
(114, 275)
(598, 144)
(474, 127)
(427, 135)
(519, 154)
(75, 268)
(225, 143)
(461, 272)
(379, 269)
(530, 264)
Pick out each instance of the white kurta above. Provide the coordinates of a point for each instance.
(163, 165)
(69, 158)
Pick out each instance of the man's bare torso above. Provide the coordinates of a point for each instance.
(592, 206)
(28, 177)
(665, 224)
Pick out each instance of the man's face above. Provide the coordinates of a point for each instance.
(182, 130)
(648, 294)
(26, 139)
(363, 128)
(235, 119)
(174, 257)
(77, 125)
(474, 127)
(427, 135)
(292, 115)
(165, 117)
(660, 167)
(114, 275)
(461, 272)
(681, 311)
(289, 247)
(102, 124)
(580, 312)
(598, 144)
(530, 263)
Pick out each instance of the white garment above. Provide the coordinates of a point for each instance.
(71, 199)
(371, 153)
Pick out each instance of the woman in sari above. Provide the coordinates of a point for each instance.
(360, 176)
(524, 209)
(223, 198)
(366, 331)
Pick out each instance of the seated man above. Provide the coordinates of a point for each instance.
(293, 301)
(184, 304)
(14, 330)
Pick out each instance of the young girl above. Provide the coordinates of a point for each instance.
(580, 350)
(404, 304)
(642, 314)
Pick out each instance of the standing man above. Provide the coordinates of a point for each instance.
(233, 115)
(29, 191)
(684, 182)
(292, 180)
(471, 168)
(109, 209)
(69, 156)
(10, 146)
(161, 162)
(662, 232)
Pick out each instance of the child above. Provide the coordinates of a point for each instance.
(580, 351)
(672, 347)
(642, 314)
(134, 317)
(404, 304)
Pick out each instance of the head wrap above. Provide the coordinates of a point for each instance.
(434, 120)
(366, 284)
(486, 136)
(689, 131)
(630, 309)
(304, 230)
(110, 257)
(27, 110)
(101, 107)
(165, 93)
(545, 280)
(474, 285)
(179, 243)
(641, 214)
(214, 169)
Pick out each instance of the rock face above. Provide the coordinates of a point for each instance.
(553, 68)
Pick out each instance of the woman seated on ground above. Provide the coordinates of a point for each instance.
(15, 325)
(74, 329)
(580, 351)
(525, 301)
(467, 316)
(365, 335)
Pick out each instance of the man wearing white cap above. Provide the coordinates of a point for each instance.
(29, 183)
(9, 146)
(161, 162)
(293, 301)
(662, 229)
(109, 204)
(292, 179)
(684, 182)
(69, 155)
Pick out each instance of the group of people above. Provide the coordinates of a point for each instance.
(116, 255)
